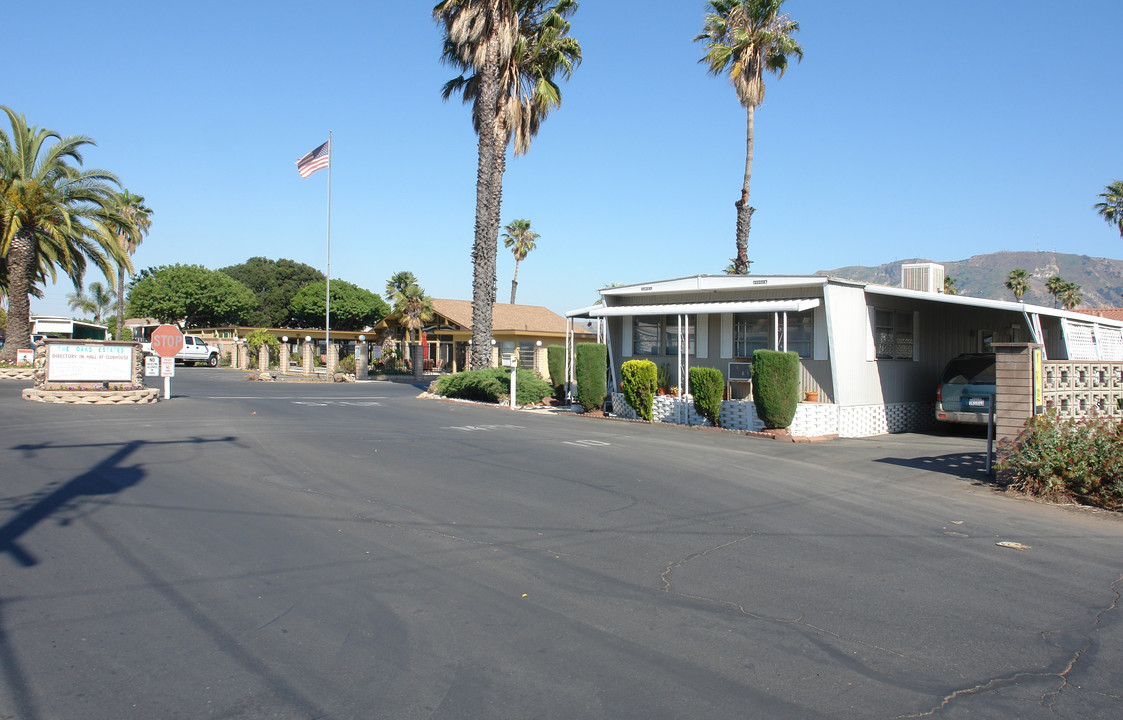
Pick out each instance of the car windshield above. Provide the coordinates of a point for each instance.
(977, 370)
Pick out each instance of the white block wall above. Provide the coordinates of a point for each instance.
(811, 419)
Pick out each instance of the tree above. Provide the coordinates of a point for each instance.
(96, 303)
(190, 296)
(1055, 285)
(519, 238)
(352, 307)
(1018, 282)
(128, 236)
(514, 49)
(1111, 209)
(743, 38)
(949, 286)
(274, 284)
(1071, 296)
(398, 283)
(415, 308)
(52, 215)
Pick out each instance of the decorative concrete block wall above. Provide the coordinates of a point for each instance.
(811, 419)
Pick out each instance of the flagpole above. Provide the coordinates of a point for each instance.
(327, 298)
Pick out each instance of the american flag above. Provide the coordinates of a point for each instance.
(318, 159)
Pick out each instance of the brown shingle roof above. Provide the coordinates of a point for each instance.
(505, 317)
(1109, 313)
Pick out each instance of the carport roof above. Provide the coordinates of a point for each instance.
(699, 308)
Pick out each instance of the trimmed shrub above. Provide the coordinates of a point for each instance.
(1078, 460)
(347, 364)
(707, 385)
(254, 341)
(638, 380)
(591, 367)
(776, 387)
(489, 384)
(555, 364)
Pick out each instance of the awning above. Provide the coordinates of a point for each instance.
(704, 308)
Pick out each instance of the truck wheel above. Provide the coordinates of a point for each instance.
(212, 361)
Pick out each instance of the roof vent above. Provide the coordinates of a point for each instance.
(925, 277)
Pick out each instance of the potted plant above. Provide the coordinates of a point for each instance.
(663, 379)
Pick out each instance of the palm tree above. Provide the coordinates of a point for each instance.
(128, 236)
(397, 284)
(514, 49)
(520, 239)
(96, 303)
(81, 302)
(1111, 209)
(949, 286)
(1018, 282)
(1055, 285)
(743, 38)
(52, 214)
(1071, 296)
(476, 31)
(414, 308)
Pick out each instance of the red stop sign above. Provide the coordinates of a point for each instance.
(167, 340)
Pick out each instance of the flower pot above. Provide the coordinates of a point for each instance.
(811, 396)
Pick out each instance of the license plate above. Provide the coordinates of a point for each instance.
(976, 402)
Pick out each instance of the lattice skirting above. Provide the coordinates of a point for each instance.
(811, 419)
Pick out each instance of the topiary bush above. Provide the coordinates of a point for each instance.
(708, 386)
(555, 364)
(488, 384)
(1069, 459)
(776, 387)
(638, 381)
(591, 367)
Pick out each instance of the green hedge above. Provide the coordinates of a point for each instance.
(776, 386)
(488, 384)
(591, 367)
(1077, 460)
(555, 363)
(638, 380)
(707, 386)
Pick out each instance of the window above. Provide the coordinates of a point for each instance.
(893, 335)
(751, 332)
(645, 336)
(801, 334)
(670, 325)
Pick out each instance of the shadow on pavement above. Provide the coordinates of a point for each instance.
(967, 465)
(108, 477)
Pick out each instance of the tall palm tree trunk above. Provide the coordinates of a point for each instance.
(744, 211)
(487, 232)
(120, 302)
(20, 269)
(515, 281)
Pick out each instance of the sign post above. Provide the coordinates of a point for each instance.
(512, 361)
(167, 340)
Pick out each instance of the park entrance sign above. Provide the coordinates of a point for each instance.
(167, 340)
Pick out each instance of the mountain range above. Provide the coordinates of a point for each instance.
(984, 276)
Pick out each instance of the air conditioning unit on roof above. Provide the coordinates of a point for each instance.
(925, 277)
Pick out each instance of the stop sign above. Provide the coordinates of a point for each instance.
(167, 340)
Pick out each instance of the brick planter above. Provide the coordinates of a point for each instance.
(143, 396)
(17, 373)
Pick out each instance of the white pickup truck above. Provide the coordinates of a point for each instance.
(195, 350)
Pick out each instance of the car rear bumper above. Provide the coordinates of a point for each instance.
(972, 418)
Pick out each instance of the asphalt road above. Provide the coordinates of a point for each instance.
(256, 550)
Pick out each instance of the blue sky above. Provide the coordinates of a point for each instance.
(910, 129)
